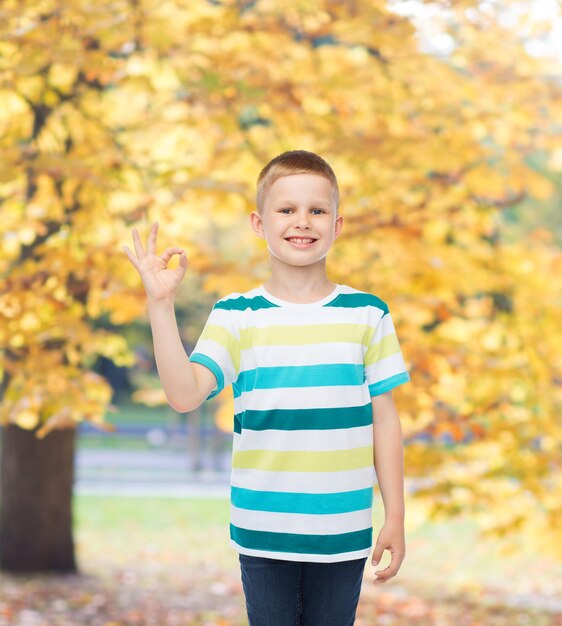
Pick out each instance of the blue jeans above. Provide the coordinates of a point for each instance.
(301, 593)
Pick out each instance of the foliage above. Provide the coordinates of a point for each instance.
(118, 113)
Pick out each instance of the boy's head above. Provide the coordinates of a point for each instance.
(291, 163)
(297, 208)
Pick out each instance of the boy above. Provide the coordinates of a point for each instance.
(312, 364)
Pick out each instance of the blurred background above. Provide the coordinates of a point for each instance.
(442, 121)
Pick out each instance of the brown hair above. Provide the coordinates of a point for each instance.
(294, 162)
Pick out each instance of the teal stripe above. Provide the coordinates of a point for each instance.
(343, 300)
(311, 503)
(302, 544)
(242, 303)
(238, 423)
(322, 375)
(305, 419)
(203, 359)
(388, 383)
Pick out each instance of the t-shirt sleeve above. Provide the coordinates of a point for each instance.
(218, 347)
(383, 361)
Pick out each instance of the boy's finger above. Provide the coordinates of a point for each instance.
(383, 575)
(138, 244)
(169, 253)
(151, 244)
(377, 551)
(131, 257)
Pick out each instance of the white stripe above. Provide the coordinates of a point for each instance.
(305, 524)
(293, 317)
(303, 398)
(309, 558)
(311, 482)
(304, 440)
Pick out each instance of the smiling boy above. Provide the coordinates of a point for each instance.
(312, 364)
(293, 207)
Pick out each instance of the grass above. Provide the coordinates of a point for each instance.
(196, 529)
(117, 514)
(113, 442)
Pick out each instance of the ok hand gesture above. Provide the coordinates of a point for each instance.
(159, 282)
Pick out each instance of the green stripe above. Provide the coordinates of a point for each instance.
(305, 419)
(304, 461)
(343, 300)
(302, 544)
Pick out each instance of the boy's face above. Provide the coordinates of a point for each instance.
(299, 205)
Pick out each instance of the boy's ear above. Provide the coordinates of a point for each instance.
(256, 224)
(338, 225)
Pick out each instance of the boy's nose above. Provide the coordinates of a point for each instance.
(303, 220)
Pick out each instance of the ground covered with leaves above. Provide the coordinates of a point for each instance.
(165, 562)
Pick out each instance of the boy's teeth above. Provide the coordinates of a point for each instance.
(296, 240)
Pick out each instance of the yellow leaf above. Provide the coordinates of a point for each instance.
(29, 321)
(27, 419)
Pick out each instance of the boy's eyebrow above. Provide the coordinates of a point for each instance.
(324, 202)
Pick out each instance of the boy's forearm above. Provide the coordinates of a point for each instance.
(175, 371)
(388, 452)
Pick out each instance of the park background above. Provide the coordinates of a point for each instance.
(442, 121)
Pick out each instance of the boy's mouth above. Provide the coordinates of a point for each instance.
(300, 242)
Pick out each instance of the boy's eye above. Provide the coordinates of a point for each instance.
(288, 209)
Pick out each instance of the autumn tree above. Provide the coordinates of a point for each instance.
(115, 114)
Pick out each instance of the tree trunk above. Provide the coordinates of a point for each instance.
(36, 477)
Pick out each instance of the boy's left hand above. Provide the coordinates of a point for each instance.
(391, 537)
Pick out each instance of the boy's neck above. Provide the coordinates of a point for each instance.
(302, 294)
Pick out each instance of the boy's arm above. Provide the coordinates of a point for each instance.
(388, 455)
(186, 384)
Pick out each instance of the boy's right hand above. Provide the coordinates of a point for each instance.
(159, 283)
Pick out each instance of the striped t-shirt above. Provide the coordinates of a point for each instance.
(302, 377)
